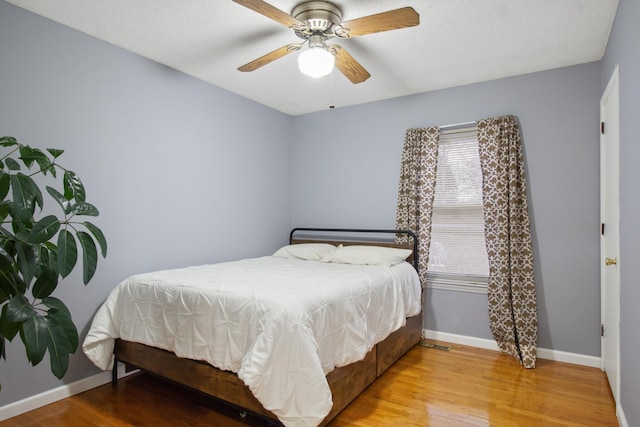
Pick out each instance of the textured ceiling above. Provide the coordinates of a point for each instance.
(457, 42)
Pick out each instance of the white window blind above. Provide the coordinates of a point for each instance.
(458, 256)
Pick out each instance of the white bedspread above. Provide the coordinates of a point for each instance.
(280, 324)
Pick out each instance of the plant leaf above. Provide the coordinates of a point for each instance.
(62, 319)
(4, 185)
(5, 209)
(58, 197)
(5, 290)
(57, 304)
(42, 260)
(55, 152)
(73, 188)
(67, 252)
(45, 284)
(35, 336)
(29, 154)
(19, 309)
(6, 235)
(23, 197)
(59, 344)
(8, 141)
(89, 256)
(26, 261)
(26, 194)
(44, 229)
(8, 278)
(97, 233)
(58, 355)
(8, 329)
(84, 208)
(12, 164)
(24, 155)
(35, 189)
(53, 256)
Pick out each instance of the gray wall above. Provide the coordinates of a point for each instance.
(623, 50)
(346, 164)
(178, 174)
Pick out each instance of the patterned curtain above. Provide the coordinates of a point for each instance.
(511, 290)
(417, 188)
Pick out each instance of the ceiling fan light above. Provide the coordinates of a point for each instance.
(316, 62)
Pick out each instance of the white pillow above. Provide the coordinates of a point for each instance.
(307, 251)
(368, 255)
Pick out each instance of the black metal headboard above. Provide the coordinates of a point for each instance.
(410, 233)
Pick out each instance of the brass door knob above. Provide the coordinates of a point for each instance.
(610, 261)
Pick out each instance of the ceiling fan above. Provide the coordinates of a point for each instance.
(318, 21)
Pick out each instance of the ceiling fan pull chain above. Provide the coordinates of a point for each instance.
(331, 105)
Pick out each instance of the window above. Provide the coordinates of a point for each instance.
(458, 256)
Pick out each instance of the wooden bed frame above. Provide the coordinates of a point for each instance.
(346, 383)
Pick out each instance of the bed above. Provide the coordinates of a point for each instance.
(293, 337)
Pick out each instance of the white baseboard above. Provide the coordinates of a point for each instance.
(621, 418)
(39, 400)
(542, 353)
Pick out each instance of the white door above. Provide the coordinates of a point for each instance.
(610, 233)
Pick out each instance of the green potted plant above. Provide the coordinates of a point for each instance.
(36, 250)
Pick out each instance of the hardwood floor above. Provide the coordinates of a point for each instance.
(465, 386)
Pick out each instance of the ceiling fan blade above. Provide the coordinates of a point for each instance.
(392, 20)
(269, 11)
(349, 66)
(270, 57)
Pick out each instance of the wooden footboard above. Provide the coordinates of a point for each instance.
(346, 382)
